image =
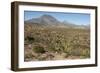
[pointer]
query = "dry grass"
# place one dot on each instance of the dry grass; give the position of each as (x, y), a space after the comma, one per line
(45, 43)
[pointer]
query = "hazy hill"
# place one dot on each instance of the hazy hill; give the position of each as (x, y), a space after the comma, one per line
(48, 20)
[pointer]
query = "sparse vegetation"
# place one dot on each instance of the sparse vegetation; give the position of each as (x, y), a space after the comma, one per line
(53, 43)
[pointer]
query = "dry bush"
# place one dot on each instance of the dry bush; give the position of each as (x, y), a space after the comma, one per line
(71, 42)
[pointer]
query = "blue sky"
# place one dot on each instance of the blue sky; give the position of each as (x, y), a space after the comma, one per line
(76, 18)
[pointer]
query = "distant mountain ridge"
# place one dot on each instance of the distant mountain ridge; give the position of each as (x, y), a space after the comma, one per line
(48, 20)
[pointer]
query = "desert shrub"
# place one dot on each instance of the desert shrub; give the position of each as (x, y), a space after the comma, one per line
(41, 58)
(71, 42)
(38, 49)
(29, 39)
(29, 56)
(86, 53)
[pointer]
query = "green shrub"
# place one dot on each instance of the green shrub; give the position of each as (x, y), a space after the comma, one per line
(86, 53)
